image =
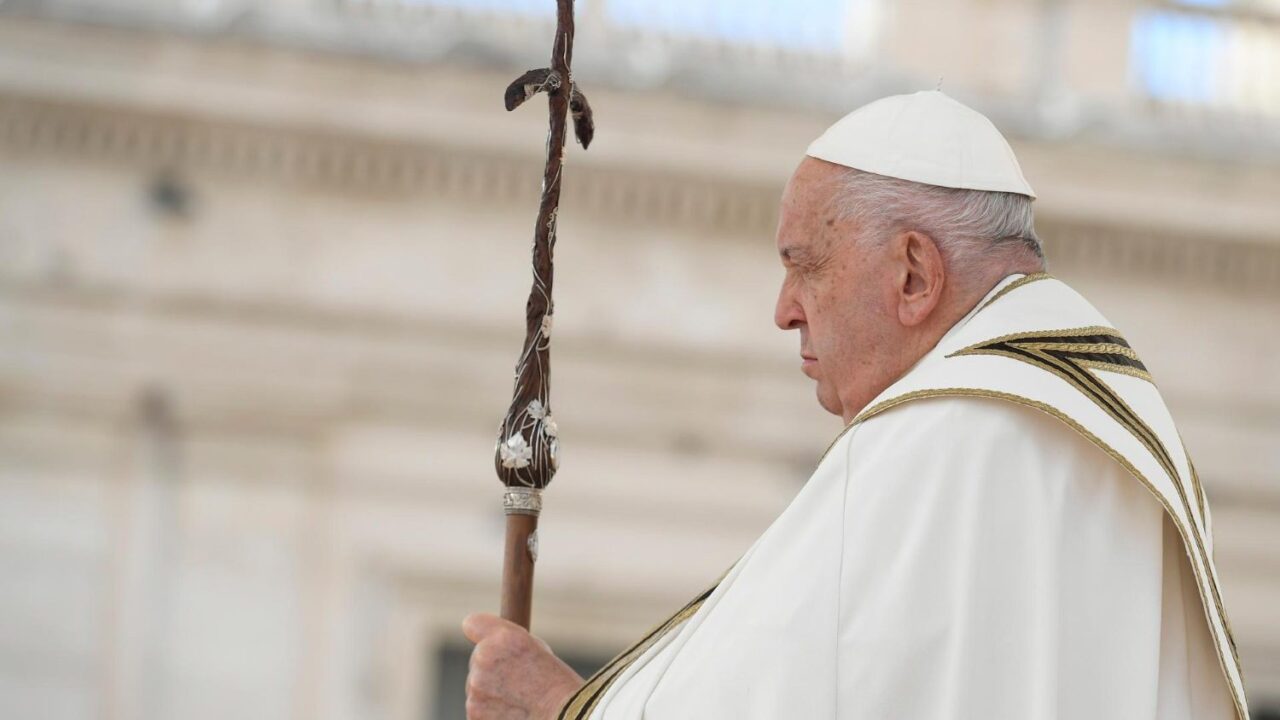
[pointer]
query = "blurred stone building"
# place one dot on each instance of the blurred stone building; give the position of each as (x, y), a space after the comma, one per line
(262, 270)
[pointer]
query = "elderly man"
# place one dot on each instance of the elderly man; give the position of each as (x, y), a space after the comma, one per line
(1009, 525)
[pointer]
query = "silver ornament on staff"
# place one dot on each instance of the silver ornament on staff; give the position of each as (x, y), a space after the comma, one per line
(527, 453)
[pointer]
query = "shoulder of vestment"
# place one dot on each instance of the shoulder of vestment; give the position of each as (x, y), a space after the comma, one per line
(1040, 345)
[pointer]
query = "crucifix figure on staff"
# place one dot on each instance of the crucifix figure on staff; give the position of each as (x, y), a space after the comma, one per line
(1007, 527)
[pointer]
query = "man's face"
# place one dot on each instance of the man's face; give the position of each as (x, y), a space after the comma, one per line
(836, 292)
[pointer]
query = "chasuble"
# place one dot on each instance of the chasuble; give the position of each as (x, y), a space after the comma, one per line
(1011, 530)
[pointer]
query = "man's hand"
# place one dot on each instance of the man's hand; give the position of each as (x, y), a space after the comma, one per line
(513, 675)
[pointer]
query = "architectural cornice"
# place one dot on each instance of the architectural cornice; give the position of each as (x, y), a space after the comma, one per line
(403, 373)
(341, 161)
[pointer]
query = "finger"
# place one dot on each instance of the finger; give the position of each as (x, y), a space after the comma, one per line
(478, 626)
(541, 643)
(475, 685)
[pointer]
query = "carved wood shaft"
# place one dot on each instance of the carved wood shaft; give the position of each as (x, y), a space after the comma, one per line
(517, 569)
(526, 456)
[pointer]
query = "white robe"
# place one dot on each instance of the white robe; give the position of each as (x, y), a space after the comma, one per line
(957, 557)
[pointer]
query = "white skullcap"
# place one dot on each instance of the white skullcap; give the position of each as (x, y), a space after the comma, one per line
(925, 137)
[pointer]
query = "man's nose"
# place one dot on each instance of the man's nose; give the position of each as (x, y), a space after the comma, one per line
(787, 315)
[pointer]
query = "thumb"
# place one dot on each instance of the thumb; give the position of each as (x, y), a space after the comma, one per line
(478, 626)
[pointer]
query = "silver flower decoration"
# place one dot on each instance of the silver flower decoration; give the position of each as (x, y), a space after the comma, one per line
(536, 409)
(515, 452)
(546, 325)
(549, 426)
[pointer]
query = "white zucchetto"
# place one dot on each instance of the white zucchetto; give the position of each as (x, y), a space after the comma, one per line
(925, 137)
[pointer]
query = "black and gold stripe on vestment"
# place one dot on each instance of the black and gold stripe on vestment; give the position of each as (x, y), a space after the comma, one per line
(1071, 355)
(1189, 536)
(584, 702)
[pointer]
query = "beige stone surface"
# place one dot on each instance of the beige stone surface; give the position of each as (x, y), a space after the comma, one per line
(246, 450)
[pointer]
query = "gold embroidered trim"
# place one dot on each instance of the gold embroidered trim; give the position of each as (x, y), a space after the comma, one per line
(1189, 537)
(1047, 350)
(843, 430)
(1204, 513)
(1065, 353)
(1199, 488)
(1108, 367)
(584, 702)
(1024, 280)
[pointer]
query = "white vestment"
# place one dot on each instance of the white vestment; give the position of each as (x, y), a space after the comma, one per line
(991, 538)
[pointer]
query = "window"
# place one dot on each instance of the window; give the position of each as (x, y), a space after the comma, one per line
(1213, 54)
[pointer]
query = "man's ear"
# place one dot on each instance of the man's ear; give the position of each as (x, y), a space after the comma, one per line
(921, 277)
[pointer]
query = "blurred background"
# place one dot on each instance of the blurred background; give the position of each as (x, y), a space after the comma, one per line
(262, 274)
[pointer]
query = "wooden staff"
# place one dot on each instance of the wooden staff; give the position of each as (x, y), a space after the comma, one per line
(527, 453)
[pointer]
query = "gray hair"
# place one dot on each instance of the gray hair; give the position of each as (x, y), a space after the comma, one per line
(971, 227)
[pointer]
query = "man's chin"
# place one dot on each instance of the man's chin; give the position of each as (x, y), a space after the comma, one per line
(828, 400)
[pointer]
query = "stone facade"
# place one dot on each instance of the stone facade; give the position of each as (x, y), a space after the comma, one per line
(261, 303)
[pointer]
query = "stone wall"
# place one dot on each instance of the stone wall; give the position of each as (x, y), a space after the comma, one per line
(260, 309)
